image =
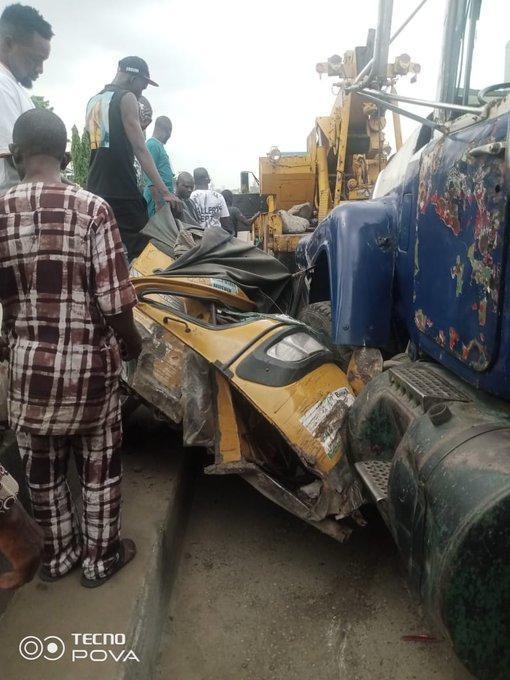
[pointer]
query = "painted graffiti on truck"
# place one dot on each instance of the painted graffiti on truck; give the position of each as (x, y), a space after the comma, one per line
(460, 229)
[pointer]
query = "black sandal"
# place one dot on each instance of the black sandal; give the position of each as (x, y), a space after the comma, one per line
(123, 558)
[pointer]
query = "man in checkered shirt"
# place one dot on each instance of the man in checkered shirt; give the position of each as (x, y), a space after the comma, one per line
(67, 303)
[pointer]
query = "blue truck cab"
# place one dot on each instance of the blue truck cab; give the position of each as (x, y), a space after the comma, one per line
(424, 259)
(420, 273)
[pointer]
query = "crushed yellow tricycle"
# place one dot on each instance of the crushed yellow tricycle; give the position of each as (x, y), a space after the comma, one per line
(259, 390)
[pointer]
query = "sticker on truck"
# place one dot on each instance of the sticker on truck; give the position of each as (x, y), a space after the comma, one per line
(225, 286)
(325, 418)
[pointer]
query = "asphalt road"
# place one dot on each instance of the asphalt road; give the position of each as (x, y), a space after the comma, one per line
(260, 595)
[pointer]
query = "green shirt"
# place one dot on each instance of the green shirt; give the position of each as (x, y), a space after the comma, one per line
(162, 163)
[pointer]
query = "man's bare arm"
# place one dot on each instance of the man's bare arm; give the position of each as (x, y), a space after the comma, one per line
(125, 329)
(131, 119)
(244, 220)
(226, 223)
(158, 202)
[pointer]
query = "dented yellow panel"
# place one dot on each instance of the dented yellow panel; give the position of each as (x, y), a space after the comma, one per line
(205, 288)
(301, 411)
(150, 261)
(229, 448)
(287, 408)
(219, 343)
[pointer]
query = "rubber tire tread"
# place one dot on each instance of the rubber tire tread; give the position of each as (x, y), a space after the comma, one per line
(318, 316)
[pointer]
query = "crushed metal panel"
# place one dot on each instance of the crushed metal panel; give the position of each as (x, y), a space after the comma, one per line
(285, 406)
(198, 418)
(158, 375)
(281, 406)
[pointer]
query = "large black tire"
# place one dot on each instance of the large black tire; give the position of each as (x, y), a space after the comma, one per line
(318, 316)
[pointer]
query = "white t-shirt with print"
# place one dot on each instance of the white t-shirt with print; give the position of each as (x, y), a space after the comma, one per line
(210, 206)
(14, 100)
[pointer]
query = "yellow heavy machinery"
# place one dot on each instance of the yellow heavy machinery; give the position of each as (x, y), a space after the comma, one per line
(345, 153)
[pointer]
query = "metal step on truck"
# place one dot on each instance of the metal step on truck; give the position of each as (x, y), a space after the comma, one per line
(412, 288)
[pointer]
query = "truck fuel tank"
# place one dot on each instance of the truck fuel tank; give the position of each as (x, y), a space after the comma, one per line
(434, 455)
(449, 508)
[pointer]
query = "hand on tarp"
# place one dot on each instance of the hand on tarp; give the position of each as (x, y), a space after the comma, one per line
(174, 202)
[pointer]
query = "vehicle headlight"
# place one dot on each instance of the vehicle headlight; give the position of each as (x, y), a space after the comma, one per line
(295, 347)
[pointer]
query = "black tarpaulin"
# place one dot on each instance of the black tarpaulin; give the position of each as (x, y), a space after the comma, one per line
(263, 278)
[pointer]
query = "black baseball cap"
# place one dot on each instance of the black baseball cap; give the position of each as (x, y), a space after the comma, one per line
(137, 67)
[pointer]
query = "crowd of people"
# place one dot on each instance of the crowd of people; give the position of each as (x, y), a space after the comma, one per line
(116, 120)
(68, 301)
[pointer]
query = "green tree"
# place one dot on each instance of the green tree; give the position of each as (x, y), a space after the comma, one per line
(41, 103)
(80, 155)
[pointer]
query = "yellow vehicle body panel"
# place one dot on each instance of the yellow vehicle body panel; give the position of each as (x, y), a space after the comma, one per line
(150, 261)
(285, 407)
(291, 179)
(158, 374)
(215, 343)
(228, 438)
(203, 287)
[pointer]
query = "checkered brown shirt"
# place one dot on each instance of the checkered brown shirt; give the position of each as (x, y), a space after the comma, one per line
(62, 270)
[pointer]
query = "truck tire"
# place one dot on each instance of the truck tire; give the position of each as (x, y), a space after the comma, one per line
(318, 316)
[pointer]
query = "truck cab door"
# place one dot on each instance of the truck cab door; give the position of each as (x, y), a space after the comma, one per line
(460, 243)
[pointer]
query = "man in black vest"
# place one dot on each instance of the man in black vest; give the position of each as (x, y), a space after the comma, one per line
(116, 137)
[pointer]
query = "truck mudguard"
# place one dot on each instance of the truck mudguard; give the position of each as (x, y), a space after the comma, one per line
(354, 247)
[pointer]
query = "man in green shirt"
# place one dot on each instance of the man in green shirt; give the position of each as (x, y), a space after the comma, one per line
(156, 147)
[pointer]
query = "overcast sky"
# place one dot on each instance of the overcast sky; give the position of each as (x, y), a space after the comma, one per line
(235, 77)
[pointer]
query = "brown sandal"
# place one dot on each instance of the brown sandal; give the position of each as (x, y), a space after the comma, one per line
(127, 552)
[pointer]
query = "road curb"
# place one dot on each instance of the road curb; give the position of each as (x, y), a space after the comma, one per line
(155, 594)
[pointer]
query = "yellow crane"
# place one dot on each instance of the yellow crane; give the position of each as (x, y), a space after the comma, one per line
(345, 153)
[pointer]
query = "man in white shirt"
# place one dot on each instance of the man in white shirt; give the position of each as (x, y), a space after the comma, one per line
(210, 204)
(24, 46)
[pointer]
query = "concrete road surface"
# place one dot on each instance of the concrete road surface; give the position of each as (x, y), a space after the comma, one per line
(259, 595)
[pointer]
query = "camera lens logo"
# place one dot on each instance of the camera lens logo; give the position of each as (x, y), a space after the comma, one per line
(51, 648)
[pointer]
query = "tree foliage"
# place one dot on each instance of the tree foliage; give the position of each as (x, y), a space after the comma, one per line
(80, 155)
(41, 103)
